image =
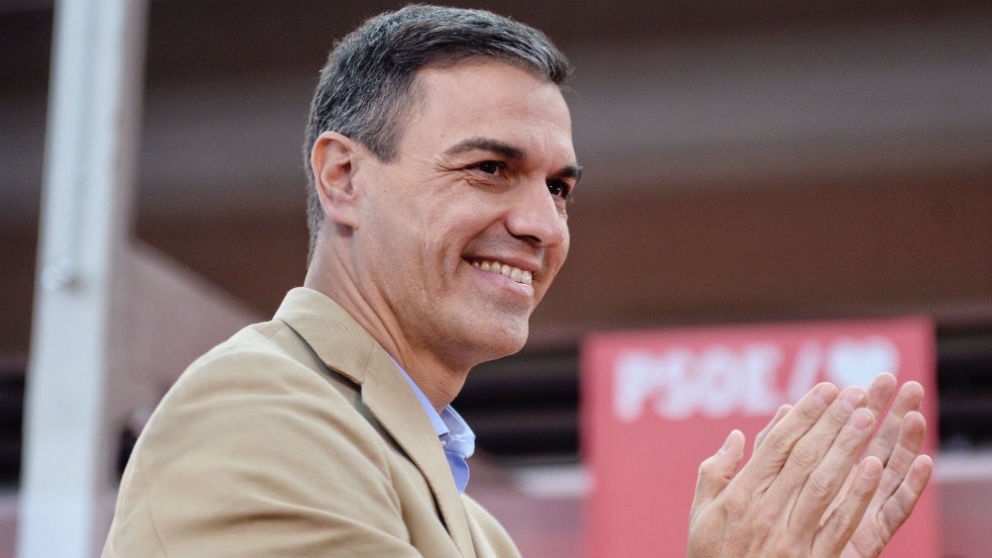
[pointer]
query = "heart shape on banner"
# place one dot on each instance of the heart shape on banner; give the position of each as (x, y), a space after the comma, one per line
(851, 362)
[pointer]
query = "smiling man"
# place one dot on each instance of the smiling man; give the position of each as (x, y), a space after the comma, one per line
(441, 164)
(442, 251)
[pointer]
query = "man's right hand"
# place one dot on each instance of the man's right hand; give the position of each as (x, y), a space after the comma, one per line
(805, 492)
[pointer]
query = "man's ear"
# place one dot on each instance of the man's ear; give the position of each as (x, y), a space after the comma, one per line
(332, 160)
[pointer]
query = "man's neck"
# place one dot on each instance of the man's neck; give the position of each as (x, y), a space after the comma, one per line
(439, 380)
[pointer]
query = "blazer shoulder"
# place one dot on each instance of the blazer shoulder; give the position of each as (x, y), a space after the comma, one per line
(266, 354)
(253, 429)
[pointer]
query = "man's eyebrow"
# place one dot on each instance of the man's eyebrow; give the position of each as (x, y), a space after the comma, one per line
(570, 171)
(487, 144)
(508, 151)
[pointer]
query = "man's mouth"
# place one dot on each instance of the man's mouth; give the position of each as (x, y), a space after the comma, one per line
(514, 273)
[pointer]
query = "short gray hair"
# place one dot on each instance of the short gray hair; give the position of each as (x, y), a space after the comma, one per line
(365, 87)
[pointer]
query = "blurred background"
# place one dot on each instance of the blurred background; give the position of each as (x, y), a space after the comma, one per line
(745, 162)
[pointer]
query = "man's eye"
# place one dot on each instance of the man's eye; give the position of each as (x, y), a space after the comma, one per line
(559, 188)
(490, 167)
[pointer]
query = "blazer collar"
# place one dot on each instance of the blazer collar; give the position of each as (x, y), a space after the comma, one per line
(347, 349)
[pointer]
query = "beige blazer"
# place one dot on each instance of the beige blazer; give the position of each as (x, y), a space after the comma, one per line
(297, 437)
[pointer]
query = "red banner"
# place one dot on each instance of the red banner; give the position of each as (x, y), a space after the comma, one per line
(655, 404)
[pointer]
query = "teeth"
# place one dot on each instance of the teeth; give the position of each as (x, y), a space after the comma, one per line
(514, 273)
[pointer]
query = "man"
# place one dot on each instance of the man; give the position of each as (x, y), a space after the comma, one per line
(441, 162)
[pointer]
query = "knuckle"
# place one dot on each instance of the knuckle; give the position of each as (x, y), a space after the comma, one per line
(851, 441)
(707, 466)
(805, 456)
(820, 485)
(900, 459)
(762, 527)
(810, 413)
(736, 504)
(778, 443)
(898, 509)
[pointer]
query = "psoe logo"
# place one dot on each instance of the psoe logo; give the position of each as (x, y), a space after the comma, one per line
(752, 379)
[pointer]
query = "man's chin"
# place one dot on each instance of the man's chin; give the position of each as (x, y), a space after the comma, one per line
(507, 342)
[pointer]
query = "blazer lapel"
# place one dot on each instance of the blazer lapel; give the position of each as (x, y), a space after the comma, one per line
(389, 397)
(346, 348)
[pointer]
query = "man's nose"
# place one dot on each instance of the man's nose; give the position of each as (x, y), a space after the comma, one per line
(536, 216)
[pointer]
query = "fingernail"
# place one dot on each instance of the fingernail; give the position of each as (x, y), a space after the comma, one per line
(825, 392)
(861, 419)
(871, 468)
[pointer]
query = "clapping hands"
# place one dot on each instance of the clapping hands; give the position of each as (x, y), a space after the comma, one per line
(818, 483)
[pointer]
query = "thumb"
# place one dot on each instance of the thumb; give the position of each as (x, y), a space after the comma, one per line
(716, 472)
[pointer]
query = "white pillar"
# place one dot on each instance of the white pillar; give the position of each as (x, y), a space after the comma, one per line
(94, 110)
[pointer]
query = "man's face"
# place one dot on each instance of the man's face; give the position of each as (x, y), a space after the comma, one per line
(463, 231)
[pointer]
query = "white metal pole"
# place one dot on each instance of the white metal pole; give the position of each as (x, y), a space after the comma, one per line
(94, 110)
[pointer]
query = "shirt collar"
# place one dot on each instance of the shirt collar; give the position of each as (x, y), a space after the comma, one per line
(455, 435)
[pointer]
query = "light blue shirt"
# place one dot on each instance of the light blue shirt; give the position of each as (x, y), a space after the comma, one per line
(457, 439)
